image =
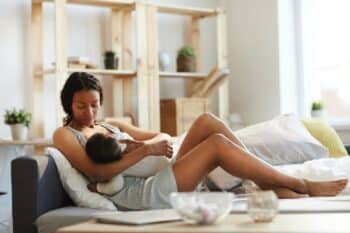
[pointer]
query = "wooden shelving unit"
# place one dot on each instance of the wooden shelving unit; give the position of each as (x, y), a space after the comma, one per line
(108, 73)
(146, 73)
(182, 75)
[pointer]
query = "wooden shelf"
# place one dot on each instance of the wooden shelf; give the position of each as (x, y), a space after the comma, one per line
(100, 3)
(192, 75)
(33, 142)
(118, 73)
(189, 11)
(169, 9)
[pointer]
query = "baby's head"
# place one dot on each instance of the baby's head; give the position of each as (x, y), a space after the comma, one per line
(102, 148)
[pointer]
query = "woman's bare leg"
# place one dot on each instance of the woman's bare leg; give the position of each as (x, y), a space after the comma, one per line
(204, 126)
(218, 150)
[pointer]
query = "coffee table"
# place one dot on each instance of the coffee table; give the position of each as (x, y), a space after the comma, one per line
(283, 223)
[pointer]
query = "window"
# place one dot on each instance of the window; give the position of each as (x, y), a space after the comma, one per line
(328, 45)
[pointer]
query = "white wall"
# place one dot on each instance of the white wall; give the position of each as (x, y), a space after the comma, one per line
(253, 57)
(87, 37)
(262, 55)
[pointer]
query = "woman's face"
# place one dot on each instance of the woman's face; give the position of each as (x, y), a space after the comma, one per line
(85, 106)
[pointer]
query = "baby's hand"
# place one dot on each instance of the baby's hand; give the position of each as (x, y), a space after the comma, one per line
(131, 144)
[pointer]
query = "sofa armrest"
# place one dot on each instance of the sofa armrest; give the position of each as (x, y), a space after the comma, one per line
(36, 189)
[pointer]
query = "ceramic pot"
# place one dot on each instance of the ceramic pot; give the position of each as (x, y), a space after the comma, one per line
(317, 113)
(164, 61)
(186, 64)
(19, 132)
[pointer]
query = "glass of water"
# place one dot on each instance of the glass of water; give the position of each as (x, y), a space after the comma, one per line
(262, 206)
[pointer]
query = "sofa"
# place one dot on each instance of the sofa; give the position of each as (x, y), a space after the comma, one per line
(39, 202)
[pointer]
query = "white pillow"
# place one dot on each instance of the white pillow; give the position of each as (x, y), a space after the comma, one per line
(75, 184)
(282, 140)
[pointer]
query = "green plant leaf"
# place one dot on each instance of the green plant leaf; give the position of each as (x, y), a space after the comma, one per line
(19, 116)
(186, 51)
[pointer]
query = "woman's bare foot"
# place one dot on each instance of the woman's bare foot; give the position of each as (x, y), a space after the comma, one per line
(325, 188)
(287, 193)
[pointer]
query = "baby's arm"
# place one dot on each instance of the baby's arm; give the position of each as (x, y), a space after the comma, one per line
(109, 187)
(130, 145)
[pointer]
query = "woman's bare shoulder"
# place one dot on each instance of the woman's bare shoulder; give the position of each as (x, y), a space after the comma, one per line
(61, 132)
(63, 136)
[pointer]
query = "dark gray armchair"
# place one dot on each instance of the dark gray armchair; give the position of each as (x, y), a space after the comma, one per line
(36, 189)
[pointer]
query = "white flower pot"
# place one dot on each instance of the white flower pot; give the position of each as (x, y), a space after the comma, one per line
(317, 113)
(19, 132)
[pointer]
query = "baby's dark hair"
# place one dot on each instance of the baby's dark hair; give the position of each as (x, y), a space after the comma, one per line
(102, 148)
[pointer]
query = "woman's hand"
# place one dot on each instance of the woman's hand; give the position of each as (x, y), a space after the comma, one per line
(162, 147)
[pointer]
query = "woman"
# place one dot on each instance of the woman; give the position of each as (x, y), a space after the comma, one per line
(208, 144)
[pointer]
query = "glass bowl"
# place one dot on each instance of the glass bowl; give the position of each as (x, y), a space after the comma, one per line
(202, 207)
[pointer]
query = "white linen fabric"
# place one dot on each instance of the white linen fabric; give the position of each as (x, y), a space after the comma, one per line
(75, 184)
(321, 170)
(147, 166)
(324, 169)
(282, 140)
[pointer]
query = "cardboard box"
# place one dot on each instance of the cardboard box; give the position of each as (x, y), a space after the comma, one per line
(177, 115)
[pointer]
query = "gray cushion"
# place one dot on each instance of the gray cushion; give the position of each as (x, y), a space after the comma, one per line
(52, 220)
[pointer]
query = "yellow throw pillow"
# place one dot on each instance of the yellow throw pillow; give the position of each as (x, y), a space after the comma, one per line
(326, 135)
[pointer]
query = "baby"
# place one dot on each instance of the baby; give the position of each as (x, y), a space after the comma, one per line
(103, 148)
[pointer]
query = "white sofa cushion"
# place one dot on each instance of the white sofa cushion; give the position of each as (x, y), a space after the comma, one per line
(75, 184)
(282, 140)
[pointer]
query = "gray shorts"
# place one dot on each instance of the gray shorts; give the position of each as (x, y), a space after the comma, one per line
(146, 193)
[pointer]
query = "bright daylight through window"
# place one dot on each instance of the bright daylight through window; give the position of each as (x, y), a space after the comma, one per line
(329, 47)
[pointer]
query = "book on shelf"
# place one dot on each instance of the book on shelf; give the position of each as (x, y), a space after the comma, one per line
(76, 66)
(78, 59)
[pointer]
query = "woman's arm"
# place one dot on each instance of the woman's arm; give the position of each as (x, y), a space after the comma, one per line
(67, 143)
(140, 134)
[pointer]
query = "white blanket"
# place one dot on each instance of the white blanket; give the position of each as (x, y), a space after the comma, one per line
(316, 170)
(321, 170)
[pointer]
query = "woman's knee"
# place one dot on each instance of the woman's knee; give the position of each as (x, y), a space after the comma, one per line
(218, 139)
(206, 119)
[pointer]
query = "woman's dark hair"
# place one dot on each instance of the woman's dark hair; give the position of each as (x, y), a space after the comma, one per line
(77, 81)
(102, 148)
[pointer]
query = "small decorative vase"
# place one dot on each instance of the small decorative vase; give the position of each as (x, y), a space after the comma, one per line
(262, 206)
(164, 61)
(109, 61)
(186, 64)
(19, 132)
(317, 113)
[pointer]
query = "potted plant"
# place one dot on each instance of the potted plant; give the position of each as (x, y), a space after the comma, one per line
(19, 121)
(186, 59)
(110, 61)
(317, 109)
